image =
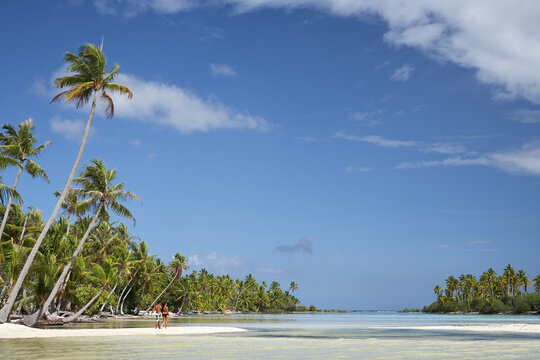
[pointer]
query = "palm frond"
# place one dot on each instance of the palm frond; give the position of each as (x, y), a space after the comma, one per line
(35, 170)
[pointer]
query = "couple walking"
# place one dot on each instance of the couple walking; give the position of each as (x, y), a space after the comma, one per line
(160, 311)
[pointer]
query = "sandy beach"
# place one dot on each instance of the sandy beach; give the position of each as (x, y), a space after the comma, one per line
(509, 328)
(13, 331)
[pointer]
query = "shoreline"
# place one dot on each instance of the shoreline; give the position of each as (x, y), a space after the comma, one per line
(14, 331)
(505, 328)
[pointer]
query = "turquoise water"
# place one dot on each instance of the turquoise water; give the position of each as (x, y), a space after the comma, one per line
(298, 336)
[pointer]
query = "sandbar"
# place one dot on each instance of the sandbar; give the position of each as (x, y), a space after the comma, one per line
(13, 331)
(506, 328)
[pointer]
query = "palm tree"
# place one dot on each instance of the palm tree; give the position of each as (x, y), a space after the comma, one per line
(89, 78)
(20, 146)
(293, 286)
(106, 273)
(177, 265)
(97, 186)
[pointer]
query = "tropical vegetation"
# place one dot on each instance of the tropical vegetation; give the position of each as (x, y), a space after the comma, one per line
(85, 260)
(509, 292)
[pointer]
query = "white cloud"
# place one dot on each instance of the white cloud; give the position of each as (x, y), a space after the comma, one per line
(403, 73)
(151, 156)
(70, 129)
(222, 70)
(526, 116)
(498, 39)
(215, 263)
(171, 106)
(438, 147)
(522, 161)
(377, 140)
(134, 7)
(273, 271)
(358, 169)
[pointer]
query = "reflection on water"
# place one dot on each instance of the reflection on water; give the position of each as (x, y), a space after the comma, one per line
(298, 336)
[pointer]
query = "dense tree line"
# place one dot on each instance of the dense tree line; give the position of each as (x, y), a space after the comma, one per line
(82, 261)
(490, 293)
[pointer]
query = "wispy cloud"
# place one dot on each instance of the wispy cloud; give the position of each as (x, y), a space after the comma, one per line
(70, 129)
(136, 143)
(308, 139)
(521, 161)
(370, 118)
(403, 73)
(302, 245)
(358, 169)
(171, 106)
(222, 70)
(425, 147)
(479, 242)
(215, 262)
(526, 116)
(377, 140)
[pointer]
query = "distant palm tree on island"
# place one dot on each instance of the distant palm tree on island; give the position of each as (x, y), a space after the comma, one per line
(490, 293)
(89, 78)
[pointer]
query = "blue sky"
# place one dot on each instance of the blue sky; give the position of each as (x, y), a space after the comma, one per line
(365, 150)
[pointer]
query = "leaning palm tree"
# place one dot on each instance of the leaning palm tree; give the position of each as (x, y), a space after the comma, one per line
(177, 265)
(88, 79)
(20, 146)
(97, 187)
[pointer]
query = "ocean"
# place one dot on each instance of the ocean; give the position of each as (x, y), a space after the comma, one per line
(355, 335)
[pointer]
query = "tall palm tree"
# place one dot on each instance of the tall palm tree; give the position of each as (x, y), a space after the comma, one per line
(97, 186)
(20, 145)
(89, 77)
(293, 286)
(177, 265)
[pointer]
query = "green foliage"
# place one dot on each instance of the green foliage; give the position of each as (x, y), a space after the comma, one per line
(489, 294)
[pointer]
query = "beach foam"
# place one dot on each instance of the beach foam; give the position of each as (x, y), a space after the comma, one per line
(12, 331)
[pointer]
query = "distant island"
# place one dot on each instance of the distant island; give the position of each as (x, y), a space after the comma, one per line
(489, 294)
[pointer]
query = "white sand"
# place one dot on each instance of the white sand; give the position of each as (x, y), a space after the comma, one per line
(12, 331)
(513, 328)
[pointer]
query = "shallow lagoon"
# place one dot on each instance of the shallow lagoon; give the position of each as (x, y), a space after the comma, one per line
(363, 335)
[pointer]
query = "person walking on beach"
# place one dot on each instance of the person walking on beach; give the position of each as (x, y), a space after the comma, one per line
(165, 313)
(157, 311)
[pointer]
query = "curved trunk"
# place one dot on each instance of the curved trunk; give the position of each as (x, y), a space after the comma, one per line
(31, 320)
(10, 200)
(124, 300)
(6, 310)
(151, 305)
(83, 309)
(108, 297)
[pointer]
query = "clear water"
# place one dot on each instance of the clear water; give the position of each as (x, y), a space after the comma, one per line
(298, 336)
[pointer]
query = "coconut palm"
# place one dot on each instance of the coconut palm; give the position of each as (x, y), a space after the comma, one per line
(20, 146)
(293, 286)
(177, 265)
(88, 79)
(97, 187)
(106, 274)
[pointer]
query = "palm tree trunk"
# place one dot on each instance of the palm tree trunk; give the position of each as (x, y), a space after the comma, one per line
(108, 297)
(23, 230)
(122, 294)
(151, 305)
(10, 200)
(6, 310)
(83, 309)
(124, 300)
(31, 320)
